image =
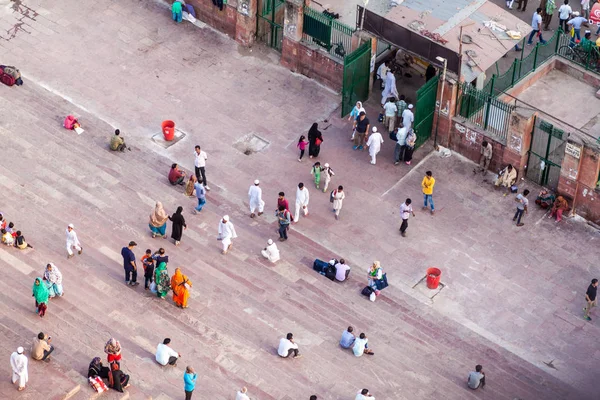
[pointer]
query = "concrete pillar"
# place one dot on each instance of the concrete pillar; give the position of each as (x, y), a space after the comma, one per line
(245, 26)
(292, 34)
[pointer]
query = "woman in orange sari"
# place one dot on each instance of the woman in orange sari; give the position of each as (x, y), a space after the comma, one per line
(179, 284)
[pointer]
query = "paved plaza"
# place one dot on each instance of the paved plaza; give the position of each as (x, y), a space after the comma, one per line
(511, 297)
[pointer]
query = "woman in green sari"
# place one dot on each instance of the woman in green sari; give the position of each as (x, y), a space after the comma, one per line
(41, 294)
(162, 280)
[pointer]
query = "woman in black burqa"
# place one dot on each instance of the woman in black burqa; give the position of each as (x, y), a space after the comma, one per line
(314, 139)
(178, 225)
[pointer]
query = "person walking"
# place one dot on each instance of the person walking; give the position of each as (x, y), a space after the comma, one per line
(72, 241)
(536, 25)
(522, 5)
(374, 144)
(390, 89)
(284, 219)
(590, 299)
(302, 198)
(564, 14)
(390, 114)
(315, 138)
(53, 278)
(189, 382)
(158, 221)
(523, 202)
(405, 212)
(408, 117)
(200, 166)
(180, 284)
(358, 108)
(327, 174)
(129, 264)
(427, 186)
(302, 142)
(18, 362)
(338, 196)
(548, 7)
(485, 158)
(201, 196)
(41, 295)
(226, 233)
(361, 127)
(282, 201)
(178, 225)
(576, 23)
(411, 140)
(316, 172)
(255, 199)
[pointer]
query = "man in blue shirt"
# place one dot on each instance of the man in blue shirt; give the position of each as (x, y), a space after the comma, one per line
(576, 23)
(129, 264)
(348, 338)
(201, 195)
(536, 24)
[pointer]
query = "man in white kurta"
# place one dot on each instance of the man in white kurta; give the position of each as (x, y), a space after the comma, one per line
(72, 241)
(18, 362)
(255, 199)
(374, 143)
(271, 252)
(302, 198)
(390, 89)
(226, 233)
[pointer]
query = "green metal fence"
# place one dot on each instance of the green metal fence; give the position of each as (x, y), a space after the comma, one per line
(357, 76)
(485, 110)
(326, 32)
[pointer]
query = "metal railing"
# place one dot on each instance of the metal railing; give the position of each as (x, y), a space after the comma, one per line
(326, 32)
(484, 110)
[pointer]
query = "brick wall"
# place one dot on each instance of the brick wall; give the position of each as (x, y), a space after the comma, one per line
(313, 63)
(229, 21)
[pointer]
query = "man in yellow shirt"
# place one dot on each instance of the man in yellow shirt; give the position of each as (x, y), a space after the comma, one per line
(427, 185)
(117, 143)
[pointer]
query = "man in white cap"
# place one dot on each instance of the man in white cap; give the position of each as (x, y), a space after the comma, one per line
(374, 144)
(271, 252)
(408, 117)
(226, 233)
(302, 198)
(18, 362)
(255, 199)
(72, 241)
(327, 173)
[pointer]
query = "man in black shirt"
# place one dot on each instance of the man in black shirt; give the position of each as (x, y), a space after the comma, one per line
(362, 127)
(590, 299)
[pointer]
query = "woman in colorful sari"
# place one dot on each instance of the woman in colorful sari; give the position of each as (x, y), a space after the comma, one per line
(179, 284)
(113, 351)
(189, 187)
(53, 278)
(158, 221)
(40, 293)
(560, 205)
(162, 280)
(545, 199)
(375, 274)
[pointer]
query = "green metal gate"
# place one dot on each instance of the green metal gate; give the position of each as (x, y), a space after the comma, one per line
(546, 154)
(425, 109)
(269, 24)
(357, 73)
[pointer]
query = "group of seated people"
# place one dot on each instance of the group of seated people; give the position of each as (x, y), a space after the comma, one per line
(116, 378)
(557, 205)
(334, 269)
(11, 236)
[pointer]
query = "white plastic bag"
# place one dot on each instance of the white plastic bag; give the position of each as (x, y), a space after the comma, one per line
(372, 296)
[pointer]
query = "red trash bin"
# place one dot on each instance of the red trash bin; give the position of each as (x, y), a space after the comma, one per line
(168, 129)
(433, 277)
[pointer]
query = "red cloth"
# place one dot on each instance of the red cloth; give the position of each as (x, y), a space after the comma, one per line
(112, 357)
(174, 175)
(284, 203)
(70, 122)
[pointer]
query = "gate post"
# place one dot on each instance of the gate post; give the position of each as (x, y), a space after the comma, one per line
(293, 24)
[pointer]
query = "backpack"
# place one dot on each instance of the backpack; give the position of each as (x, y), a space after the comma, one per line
(382, 283)
(330, 272)
(367, 291)
(8, 80)
(320, 266)
(393, 136)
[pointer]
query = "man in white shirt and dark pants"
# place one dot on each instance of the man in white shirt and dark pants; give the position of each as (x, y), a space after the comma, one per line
(536, 24)
(405, 211)
(199, 164)
(287, 347)
(564, 13)
(165, 354)
(302, 199)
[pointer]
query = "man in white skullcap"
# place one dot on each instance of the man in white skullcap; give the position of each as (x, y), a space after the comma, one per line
(255, 199)
(18, 362)
(271, 252)
(374, 144)
(226, 233)
(72, 241)
(327, 173)
(408, 117)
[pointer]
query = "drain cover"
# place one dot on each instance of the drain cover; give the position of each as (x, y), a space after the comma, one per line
(251, 143)
(159, 138)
